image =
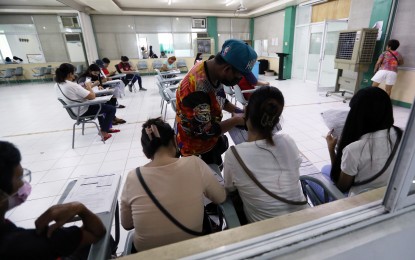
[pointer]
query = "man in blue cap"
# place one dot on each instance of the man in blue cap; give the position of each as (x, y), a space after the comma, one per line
(200, 99)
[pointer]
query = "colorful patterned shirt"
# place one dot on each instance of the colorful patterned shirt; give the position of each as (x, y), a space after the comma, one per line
(389, 62)
(199, 111)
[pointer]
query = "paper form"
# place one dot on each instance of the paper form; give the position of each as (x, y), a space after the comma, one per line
(95, 192)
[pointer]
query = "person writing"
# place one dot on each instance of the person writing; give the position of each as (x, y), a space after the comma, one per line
(49, 240)
(72, 92)
(179, 185)
(200, 99)
(169, 64)
(386, 67)
(132, 75)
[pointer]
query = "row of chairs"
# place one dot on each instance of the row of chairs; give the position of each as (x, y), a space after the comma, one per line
(142, 65)
(10, 73)
(236, 93)
(167, 93)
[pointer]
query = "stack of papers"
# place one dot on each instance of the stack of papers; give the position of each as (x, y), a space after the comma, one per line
(96, 192)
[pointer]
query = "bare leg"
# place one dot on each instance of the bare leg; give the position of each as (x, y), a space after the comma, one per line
(375, 84)
(388, 89)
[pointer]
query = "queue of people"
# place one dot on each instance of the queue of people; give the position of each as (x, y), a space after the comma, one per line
(264, 169)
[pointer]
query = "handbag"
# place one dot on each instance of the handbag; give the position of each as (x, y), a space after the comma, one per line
(207, 228)
(249, 173)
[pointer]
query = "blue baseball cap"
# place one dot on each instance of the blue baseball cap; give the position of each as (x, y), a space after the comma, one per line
(240, 55)
(100, 63)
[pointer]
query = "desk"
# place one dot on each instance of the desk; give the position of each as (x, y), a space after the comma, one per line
(118, 76)
(101, 249)
(170, 72)
(103, 92)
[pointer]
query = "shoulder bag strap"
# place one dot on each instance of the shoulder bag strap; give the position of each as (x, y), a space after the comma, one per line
(394, 56)
(385, 167)
(249, 173)
(66, 96)
(162, 209)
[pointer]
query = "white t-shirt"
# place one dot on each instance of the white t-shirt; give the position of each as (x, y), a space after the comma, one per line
(276, 168)
(73, 91)
(366, 157)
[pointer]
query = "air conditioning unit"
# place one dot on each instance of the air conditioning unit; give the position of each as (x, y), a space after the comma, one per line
(70, 22)
(73, 37)
(355, 49)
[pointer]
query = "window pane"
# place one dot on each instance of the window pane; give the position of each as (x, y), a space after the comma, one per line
(183, 44)
(181, 24)
(166, 42)
(107, 45)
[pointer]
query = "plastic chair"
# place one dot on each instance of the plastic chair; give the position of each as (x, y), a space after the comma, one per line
(48, 71)
(82, 119)
(157, 64)
(18, 72)
(239, 95)
(7, 75)
(40, 72)
(229, 91)
(129, 243)
(181, 64)
(79, 69)
(142, 66)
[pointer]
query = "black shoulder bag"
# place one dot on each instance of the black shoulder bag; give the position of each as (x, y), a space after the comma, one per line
(388, 162)
(251, 175)
(206, 223)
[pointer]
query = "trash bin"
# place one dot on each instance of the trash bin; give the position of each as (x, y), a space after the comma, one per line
(263, 66)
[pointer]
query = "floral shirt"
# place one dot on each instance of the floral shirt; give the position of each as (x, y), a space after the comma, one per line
(389, 62)
(199, 111)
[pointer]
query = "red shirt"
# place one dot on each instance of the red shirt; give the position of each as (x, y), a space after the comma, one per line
(245, 85)
(124, 66)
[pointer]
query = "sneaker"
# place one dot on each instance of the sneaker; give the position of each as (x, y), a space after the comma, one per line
(143, 89)
(120, 106)
(130, 88)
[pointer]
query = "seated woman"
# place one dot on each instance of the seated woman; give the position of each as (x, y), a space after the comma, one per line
(274, 160)
(49, 240)
(366, 143)
(93, 74)
(179, 184)
(72, 92)
(132, 75)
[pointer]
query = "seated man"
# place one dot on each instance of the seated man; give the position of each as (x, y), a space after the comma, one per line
(133, 75)
(49, 240)
(247, 83)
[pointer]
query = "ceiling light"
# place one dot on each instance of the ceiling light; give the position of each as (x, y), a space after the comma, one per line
(313, 2)
(169, 3)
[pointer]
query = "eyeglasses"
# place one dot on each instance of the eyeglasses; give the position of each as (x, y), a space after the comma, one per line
(27, 175)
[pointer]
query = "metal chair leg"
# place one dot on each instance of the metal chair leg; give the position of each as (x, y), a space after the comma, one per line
(83, 128)
(73, 136)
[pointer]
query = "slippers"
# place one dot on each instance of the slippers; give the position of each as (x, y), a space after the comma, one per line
(112, 130)
(115, 122)
(120, 121)
(108, 136)
(121, 106)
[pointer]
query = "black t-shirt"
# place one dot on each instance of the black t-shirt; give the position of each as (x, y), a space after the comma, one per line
(20, 243)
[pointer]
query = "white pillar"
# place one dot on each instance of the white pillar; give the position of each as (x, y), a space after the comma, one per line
(89, 37)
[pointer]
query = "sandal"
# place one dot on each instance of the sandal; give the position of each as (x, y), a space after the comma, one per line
(108, 136)
(114, 130)
(114, 122)
(120, 121)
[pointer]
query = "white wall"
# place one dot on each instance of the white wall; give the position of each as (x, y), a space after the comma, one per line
(21, 49)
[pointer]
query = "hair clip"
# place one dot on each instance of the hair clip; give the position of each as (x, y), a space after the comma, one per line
(152, 130)
(266, 120)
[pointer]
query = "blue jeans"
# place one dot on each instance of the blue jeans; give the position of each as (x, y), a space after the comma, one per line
(134, 78)
(105, 121)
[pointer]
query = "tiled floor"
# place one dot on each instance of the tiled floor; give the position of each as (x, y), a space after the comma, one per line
(35, 121)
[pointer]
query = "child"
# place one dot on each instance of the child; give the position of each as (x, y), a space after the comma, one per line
(386, 67)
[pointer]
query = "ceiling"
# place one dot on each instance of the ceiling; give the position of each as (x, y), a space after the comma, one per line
(221, 8)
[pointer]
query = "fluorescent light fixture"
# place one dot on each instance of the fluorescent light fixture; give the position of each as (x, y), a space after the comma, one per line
(229, 3)
(313, 2)
(169, 3)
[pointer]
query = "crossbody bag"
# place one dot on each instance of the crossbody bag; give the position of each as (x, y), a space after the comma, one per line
(385, 167)
(251, 175)
(167, 214)
(394, 56)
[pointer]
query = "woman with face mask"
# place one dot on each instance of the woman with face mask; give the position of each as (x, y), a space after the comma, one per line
(49, 240)
(179, 184)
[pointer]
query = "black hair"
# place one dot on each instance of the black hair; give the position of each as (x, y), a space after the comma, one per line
(211, 57)
(106, 60)
(370, 111)
(264, 110)
(198, 57)
(393, 44)
(63, 71)
(87, 73)
(17, 58)
(125, 58)
(7, 59)
(150, 147)
(9, 159)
